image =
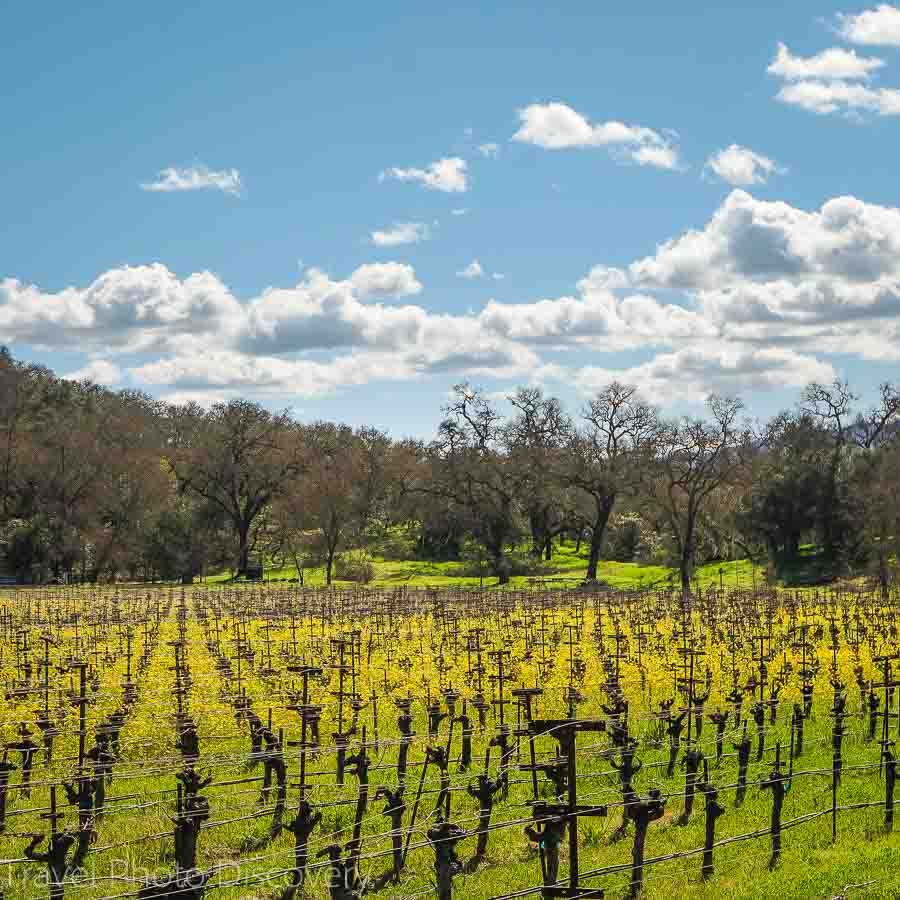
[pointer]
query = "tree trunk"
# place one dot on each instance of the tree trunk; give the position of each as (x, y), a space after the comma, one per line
(594, 555)
(686, 563)
(883, 577)
(685, 569)
(499, 565)
(537, 521)
(243, 548)
(598, 531)
(828, 507)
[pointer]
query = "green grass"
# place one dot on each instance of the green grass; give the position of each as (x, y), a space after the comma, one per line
(566, 569)
(811, 866)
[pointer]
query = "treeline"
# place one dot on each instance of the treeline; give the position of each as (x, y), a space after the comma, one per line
(96, 484)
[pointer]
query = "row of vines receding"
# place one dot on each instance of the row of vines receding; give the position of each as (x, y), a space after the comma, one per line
(276, 742)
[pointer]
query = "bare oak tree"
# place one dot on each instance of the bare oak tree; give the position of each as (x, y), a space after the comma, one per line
(695, 457)
(344, 484)
(535, 443)
(610, 454)
(832, 407)
(470, 469)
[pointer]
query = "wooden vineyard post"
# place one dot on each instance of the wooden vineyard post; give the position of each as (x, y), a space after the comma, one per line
(838, 713)
(27, 748)
(376, 743)
(743, 751)
(565, 732)
(44, 722)
(129, 687)
(23, 657)
(573, 696)
(693, 755)
(526, 697)
(305, 821)
(889, 761)
(81, 793)
(341, 739)
(475, 670)
(415, 809)
(82, 710)
(308, 713)
(501, 738)
(889, 683)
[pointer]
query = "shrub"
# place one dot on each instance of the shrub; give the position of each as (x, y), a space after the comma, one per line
(474, 566)
(354, 567)
(397, 548)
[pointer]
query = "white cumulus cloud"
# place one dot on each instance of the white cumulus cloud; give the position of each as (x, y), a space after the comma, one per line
(390, 279)
(694, 373)
(556, 126)
(836, 80)
(401, 233)
(878, 27)
(755, 241)
(128, 309)
(449, 175)
(756, 298)
(833, 63)
(195, 178)
(741, 166)
(825, 97)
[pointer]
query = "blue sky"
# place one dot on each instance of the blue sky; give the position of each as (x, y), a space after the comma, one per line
(691, 199)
